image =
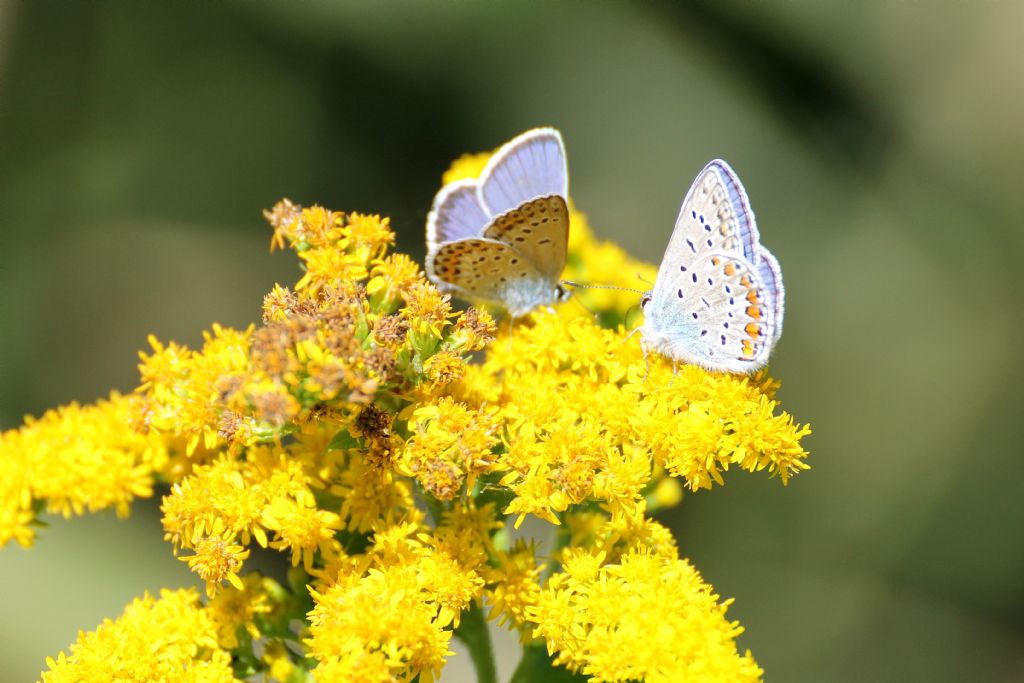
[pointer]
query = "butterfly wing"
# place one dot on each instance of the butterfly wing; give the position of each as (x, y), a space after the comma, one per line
(482, 269)
(456, 214)
(504, 237)
(529, 166)
(715, 216)
(716, 314)
(539, 229)
(771, 276)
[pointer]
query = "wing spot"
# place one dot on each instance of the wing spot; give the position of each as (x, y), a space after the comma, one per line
(710, 281)
(693, 213)
(703, 332)
(695, 278)
(723, 340)
(544, 241)
(682, 269)
(694, 314)
(680, 293)
(692, 248)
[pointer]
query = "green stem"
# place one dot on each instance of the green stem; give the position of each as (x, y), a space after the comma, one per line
(473, 632)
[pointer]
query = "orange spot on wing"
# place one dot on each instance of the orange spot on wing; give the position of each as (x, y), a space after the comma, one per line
(753, 329)
(754, 312)
(752, 296)
(730, 269)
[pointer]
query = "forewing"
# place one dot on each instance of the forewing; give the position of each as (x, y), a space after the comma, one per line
(716, 314)
(479, 268)
(529, 166)
(456, 214)
(715, 217)
(539, 230)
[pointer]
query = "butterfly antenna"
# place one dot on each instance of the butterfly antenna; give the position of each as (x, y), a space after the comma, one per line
(641, 278)
(582, 285)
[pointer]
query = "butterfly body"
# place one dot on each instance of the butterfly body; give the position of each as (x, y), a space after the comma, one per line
(503, 238)
(718, 300)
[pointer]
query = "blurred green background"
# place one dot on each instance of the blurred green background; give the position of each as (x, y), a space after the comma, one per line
(881, 143)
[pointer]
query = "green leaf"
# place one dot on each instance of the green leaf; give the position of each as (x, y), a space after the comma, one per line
(344, 440)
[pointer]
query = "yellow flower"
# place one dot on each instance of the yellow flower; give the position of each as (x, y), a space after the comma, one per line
(216, 497)
(391, 277)
(444, 367)
(170, 639)
(237, 608)
(278, 661)
(369, 494)
(473, 331)
(450, 444)
(427, 309)
(656, 609)
(376, 627)
(303, 529)
(217, 559)
(369, 231)
(76, 459)
(184, 388)
(325, 265)
(513, 587)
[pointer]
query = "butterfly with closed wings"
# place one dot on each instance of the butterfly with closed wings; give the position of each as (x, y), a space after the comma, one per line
(502, 238)
(718, 299)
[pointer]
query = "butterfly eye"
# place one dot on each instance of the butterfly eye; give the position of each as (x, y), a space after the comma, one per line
(643, 302)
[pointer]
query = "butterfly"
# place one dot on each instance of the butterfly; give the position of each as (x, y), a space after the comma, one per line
(718, 299)
(502, 238)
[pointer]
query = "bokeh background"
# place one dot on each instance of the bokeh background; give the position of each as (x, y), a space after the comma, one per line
(881, 143)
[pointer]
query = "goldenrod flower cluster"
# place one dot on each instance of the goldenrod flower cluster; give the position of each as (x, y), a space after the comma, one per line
(360, 431)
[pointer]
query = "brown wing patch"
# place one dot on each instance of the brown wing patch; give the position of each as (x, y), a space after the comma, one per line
(481, 268)
(539, 229)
